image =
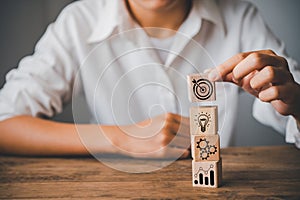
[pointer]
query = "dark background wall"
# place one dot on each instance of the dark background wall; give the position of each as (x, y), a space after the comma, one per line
(22, 22)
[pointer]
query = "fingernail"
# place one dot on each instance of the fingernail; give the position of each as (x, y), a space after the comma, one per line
(235, 76)
(234, 80)
(213, 75)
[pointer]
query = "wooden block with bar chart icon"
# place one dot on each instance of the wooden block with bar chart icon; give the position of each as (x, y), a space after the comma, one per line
(203, 120)
(207, 174)
(205, 148)
(200, 88)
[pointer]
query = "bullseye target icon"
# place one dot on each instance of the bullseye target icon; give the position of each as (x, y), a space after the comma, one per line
(202, 88)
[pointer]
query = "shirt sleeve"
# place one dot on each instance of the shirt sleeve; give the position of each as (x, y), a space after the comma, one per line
(256, 35)
(42, 83)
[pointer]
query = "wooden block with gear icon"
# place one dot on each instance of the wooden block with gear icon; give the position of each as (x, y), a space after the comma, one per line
(205, 148)
(207, 174)
(200, 88)
(203, 120)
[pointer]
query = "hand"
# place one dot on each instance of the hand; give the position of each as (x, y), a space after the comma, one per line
(164, 136)
(264, 75)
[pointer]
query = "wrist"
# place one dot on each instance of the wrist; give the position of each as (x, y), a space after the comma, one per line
(113, 138)
(98, 139)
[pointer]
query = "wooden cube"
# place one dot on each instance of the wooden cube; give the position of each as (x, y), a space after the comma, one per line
(200, 88)
(204, 120)
(207, 174)
(205, 148)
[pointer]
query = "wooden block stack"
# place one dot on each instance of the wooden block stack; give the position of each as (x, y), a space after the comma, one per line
(205, 141)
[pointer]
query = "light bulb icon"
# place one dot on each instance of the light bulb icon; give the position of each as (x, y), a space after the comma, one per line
(202, 120)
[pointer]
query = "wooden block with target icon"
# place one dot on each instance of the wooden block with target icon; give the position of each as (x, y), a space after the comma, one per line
(205, 148)
(200, 88)
(204, 120)
(207, 174)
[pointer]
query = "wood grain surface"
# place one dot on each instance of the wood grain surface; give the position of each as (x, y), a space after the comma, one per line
(248, 173)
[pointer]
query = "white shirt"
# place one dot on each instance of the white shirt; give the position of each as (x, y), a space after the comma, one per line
(95, 47)
(161, 45)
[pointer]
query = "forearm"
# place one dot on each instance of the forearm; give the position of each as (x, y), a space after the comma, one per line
(25, 135)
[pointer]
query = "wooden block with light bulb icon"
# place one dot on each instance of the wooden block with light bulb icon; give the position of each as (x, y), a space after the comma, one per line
(204, 120)
(205, 148)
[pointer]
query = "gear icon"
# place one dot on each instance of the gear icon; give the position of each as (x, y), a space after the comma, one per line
(212, 149)
(204, 155)
(202, 144)
(205, 148)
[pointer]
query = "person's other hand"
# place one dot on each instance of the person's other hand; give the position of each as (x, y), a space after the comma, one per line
(164, 136)
(264, 75)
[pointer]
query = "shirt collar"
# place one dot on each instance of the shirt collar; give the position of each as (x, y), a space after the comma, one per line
(115, 16)
(209, 10)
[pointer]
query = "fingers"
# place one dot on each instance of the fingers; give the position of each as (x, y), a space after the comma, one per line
(278, 92)
(271, 93)
(185, 154)
(180, 142)
(162, 153)
(269, 75)
(171, 152)
(240, 65)
(264, 75)
(244, 83)
(224, 71)
(178, 118)
(255, 61)
(178, 124)
(166, 136)
(261, 73)
(167, 152)
(176, 137)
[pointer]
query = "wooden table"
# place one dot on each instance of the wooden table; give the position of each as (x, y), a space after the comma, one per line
(251, 173)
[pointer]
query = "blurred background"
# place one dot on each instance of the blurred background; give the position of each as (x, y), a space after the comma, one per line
(24, 21)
